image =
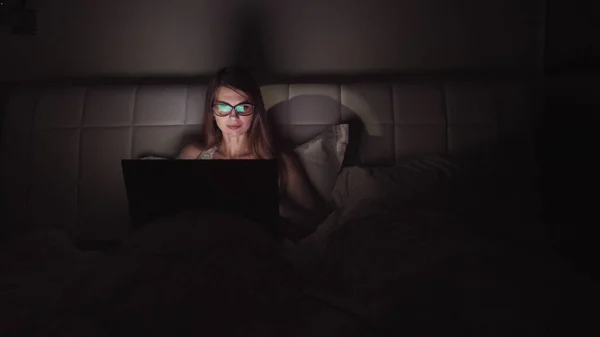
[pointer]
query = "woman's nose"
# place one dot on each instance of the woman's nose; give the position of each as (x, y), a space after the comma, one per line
(234, 115)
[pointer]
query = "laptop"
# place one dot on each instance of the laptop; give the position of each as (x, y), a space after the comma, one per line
(159, 188)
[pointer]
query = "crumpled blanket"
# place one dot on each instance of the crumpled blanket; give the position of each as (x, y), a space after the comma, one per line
(412, 269)
(191, 274)
(385, 268)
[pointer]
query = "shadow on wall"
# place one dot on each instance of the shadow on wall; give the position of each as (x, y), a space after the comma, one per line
(249, 47)
(298, 120)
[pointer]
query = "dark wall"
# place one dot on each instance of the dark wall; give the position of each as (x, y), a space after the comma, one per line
(570, 42)
(191, 37)
(3, 99)
(570, 129)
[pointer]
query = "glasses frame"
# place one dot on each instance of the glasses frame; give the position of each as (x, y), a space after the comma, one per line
(214, 110)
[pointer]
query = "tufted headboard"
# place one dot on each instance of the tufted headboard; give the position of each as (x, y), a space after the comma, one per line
(62, 144)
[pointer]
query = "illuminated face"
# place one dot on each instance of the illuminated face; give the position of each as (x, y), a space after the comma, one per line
(233, 112)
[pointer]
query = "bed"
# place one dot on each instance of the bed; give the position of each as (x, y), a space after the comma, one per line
(435, 227)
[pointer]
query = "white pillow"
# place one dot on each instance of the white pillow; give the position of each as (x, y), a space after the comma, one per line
(322, 158)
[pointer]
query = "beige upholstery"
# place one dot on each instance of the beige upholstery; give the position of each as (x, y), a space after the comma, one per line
(62, 145)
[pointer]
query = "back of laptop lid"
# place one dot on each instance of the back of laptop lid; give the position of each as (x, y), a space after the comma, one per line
(157, 188)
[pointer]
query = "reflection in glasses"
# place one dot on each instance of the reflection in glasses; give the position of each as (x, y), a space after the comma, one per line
(223, 109)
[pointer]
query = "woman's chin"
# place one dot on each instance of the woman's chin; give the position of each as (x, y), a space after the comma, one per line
(234, 133)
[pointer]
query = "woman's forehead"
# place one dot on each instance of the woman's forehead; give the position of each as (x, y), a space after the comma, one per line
(228, 95)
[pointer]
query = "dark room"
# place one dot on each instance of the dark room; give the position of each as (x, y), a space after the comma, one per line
(299, 168)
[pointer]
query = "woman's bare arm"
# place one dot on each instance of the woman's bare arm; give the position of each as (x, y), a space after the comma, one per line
(300, 205)
(297, 188)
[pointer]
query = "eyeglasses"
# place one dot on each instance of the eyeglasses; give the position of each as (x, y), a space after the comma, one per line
(223, 109)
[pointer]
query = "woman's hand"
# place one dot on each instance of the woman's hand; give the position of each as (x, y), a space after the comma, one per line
(295, 222)
(290, 210)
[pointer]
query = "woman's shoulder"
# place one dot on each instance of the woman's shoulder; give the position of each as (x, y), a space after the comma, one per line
(191, 151)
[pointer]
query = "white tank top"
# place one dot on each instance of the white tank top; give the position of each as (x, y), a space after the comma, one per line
(208, 154)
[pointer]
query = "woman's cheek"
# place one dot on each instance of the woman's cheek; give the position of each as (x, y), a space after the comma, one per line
(247, 120)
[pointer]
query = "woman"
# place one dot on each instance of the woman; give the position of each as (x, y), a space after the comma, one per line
(235, 127)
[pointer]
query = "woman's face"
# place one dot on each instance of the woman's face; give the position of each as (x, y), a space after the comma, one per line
(233, 112)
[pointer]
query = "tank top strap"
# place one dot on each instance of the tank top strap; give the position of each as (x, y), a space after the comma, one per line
(208, 154)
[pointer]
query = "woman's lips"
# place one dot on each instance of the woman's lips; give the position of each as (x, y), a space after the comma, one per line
(234, 127)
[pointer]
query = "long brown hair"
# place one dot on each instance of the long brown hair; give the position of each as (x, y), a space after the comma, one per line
(259, 136)
(261, 144)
